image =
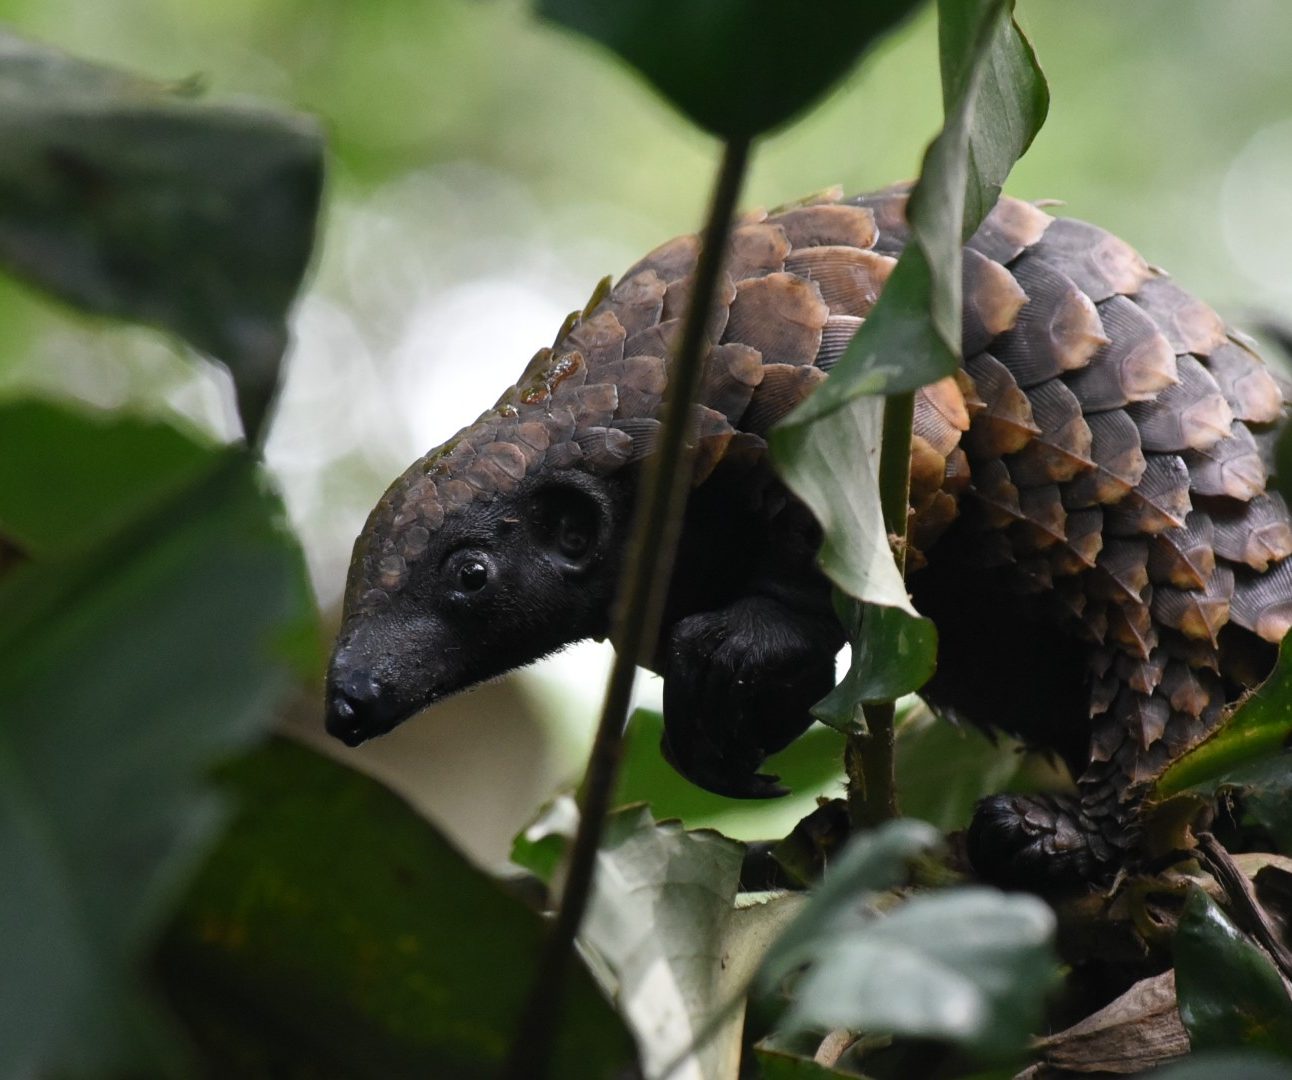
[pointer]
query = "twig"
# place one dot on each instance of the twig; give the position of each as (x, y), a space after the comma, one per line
(649, 564)
(869, 757)
(1243, 902)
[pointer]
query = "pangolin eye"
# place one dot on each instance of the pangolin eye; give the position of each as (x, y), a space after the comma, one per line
(473, 576)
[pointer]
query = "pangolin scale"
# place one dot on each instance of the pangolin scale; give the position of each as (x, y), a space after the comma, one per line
(1091, 525)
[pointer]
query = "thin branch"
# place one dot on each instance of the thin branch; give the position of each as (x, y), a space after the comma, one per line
(1243, 902)
(869, 757)
(661, 502)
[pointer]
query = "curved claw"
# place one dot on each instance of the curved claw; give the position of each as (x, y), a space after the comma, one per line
(1034, 842)
(722, 777)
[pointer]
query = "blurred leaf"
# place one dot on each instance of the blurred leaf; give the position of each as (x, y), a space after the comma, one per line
(126, 669)
(971, 965)
(1230, 994)
(1260, 726)
(1235, 1065)
(944, 768)
(735, 67)
(541, 845)
(124, 197)
(827, 450)
(335, 932)
(663, 921)
(782, 1065)
(811, 764)
(56, 499)
(1267, 794)
(872, 861)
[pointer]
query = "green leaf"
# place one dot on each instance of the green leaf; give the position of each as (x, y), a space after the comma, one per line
(1235, 1065)
(969, 965)
(737, 68)
(1230, 994)
(827, 449)
(944, 768)
(663, 922)
(812, 765)
(782, 1065)
(55, 499)
(127, 668)
(125, 197)
(870, 863)
(1259, 727)
(336, 932)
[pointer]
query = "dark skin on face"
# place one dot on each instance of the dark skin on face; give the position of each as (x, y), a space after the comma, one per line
(747, 645)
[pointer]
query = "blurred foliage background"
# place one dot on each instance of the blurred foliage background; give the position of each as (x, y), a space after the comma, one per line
(487, 170)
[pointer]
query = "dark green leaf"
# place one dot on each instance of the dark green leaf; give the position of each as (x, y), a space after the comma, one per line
(781, 1065)
(735, 67)
(827, 449)
(1230, 994)
(125, 197)
(55, 498)
(126, 669)
(1260, 727)
(335, 932)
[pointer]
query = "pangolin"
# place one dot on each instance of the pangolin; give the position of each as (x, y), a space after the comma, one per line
(1091, 523)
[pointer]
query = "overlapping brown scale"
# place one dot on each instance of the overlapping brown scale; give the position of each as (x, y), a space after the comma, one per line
(783, 386)
(1101, 264)
(731, 374)
(1262, 603)
(605, 449)
(1043, 518)
(1190, 414)
(997, 494)
(1082, 542)
(1136, 364)
(1057, 330)
(1196, 613)
(672, 260)
(640, 383)
(1141, 675)
(1131, 626)
(755, 250)
(940, 415)
(1010, 228)
(959, 473)
(1160, 500)
(1062, 448)
(1252, 392)
(781, 315)
(658, 340)
(677, 300)
(1122, 570)
(1144, 715)
(1184, 557)
(1189, 325)
(1255, 534)
(637, 301)
(1186, 688)
(928, 469)
(713, 433)
(827, 224)
(644, 433)
(1197, 654)
(599, 337)
(594, 405)
(931, 519)
(850, 279)
(835, 335)
(1006, 423)
(1267, 445)
(1232, 467)
(992, 299)
(1117, 462)
(888, 206)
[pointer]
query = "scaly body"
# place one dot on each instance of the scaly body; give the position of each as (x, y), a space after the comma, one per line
(1090, 524)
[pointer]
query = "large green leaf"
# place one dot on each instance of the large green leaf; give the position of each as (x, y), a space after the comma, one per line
(827, 449)
(127, 667)
(125, 197)
(334, 932)
(735, 67)
(1259, 727)
(969, 965)
(1230, 994)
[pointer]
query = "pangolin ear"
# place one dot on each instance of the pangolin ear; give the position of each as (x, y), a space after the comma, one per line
(569, 525)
